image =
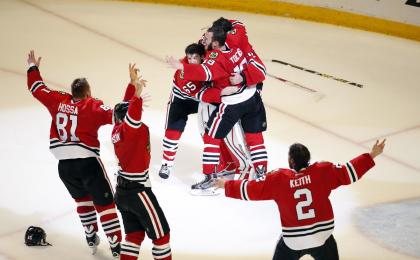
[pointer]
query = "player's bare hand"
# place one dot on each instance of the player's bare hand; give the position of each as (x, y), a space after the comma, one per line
(174, 63)
(229, 91)
(133, 71)
(235, 78)
(33, 60)
(220, 183)
(377, 148)
(140, 84)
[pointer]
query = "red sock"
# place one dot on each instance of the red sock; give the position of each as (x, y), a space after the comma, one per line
(211, 154)
(161, 248)
(110, 223)
(255, 142)
(130, 248)
(170, 145)
(87, 215)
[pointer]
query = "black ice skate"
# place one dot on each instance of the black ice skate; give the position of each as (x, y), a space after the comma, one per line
(93, 242)
(205, 187)
(165, 171)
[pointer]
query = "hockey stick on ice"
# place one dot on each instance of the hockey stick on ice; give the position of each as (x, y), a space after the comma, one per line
(319, 73)
(318, 95)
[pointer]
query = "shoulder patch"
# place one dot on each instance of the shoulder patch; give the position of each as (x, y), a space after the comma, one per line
(181, 75)
(62, 92)
(233, 31)
(213, 55)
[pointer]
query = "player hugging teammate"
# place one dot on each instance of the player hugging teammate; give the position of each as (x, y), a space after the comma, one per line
(231, 67)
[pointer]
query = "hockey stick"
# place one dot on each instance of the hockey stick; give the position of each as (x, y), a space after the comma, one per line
(319, 73)
(318, 95)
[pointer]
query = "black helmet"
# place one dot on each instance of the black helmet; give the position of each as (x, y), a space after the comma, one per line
(35, 236)
(120, 110)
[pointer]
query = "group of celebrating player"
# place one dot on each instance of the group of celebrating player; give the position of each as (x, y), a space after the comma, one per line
(220, 79)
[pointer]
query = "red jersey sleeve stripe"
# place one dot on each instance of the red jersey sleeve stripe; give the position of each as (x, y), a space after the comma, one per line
(36, 85)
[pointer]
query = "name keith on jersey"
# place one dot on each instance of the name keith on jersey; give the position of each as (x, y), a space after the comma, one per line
(68, 109)
(300, 181)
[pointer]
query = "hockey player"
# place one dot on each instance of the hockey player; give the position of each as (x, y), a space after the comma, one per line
(135, 199)
(244, 104)
(301, 194)
(183, 101)
(236, 37)
(186, 97)
(76, 119)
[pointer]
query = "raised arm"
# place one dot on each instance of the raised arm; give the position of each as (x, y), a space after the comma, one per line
(36, 84)
(355, 169)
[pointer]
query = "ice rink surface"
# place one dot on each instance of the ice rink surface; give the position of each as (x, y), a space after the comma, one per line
(97, 40)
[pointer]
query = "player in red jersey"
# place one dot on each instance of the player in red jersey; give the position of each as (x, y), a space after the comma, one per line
(189, 97)
(184, 99)
(244, 104)
(237, 37)
(302, 196)
(76, 119)
(135, 199)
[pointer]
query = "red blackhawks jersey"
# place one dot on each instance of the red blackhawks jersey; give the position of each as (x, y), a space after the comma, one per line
(237, 37)
(195, 90)
(131, 141)
(305, 210)
(218, 66)
(75, 124)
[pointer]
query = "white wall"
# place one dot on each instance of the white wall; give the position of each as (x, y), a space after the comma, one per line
(395, 10)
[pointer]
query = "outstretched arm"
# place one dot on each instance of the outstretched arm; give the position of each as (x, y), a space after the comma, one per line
(355, 169)
(36, 84)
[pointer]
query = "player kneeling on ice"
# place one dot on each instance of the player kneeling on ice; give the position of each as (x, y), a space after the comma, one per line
(134, 197)
(301, 194)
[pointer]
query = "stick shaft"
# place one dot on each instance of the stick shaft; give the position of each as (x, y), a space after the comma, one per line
(319, 73)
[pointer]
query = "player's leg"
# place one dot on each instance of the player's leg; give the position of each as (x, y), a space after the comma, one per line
(328, 251)
(71, 177)
(254, 123)
(157, 228)
(283, 252)
(99, 187)
(134, 230)
(176, 119)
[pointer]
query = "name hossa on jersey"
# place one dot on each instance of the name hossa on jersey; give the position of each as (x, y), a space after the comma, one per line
(302, 197)
(131, 139)
(75, 124)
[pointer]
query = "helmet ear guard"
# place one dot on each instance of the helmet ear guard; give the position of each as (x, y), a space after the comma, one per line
(35, 236)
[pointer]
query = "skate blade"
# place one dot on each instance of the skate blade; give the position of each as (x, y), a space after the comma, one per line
(206, 192)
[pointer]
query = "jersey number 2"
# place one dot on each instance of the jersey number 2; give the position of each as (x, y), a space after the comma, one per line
(61, 123)
(302, 204)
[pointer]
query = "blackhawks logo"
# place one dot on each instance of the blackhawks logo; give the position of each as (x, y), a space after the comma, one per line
(213, 55)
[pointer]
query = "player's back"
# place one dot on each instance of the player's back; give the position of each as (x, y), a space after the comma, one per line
(75, 125)
(303, 196)
(305, 209)
(131, 141)
(237, 37)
